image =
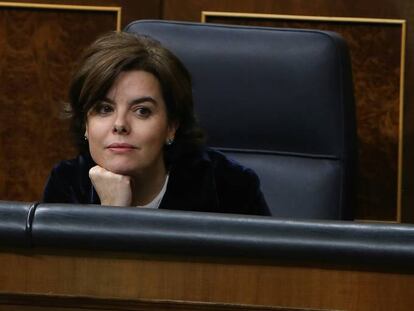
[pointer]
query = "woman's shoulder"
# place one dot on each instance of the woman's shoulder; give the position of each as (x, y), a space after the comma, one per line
(237, 186)
(71, 171)
(73, 166)
(68, 181)
(226, 171)
(228, 166)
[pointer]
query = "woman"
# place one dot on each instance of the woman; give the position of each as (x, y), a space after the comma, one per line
(132, 114)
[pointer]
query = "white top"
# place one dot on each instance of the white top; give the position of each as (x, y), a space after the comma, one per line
(157, 200)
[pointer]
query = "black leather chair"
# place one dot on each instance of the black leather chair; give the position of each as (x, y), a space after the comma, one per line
(277, 100)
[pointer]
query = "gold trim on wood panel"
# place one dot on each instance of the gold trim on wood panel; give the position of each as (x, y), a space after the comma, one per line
(205, 14)
(401, 116)
(402, 22)
(115, 9)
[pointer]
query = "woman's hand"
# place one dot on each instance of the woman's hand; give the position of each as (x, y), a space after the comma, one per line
(113, 189)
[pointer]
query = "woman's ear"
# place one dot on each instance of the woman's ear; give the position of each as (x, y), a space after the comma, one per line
(172, 129)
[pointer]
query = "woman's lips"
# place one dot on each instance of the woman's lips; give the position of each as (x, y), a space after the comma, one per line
(121, 147)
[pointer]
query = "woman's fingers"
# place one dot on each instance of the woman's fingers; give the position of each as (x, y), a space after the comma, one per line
(113, 189)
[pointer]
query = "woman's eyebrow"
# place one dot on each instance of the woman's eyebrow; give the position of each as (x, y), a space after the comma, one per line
(134, 101)
(107, 100)
(143, 100)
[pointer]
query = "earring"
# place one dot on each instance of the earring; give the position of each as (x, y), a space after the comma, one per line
(85, 137)
(169, 141)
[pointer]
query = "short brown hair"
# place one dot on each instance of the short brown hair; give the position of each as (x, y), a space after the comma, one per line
(115, 52)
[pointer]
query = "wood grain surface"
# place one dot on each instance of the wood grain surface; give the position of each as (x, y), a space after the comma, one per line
(195, 279)
(38, 50)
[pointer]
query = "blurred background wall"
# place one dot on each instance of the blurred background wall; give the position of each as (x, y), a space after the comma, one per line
(39, 47)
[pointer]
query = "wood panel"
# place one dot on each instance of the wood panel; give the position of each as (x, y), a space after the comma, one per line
(141, 278)
(39, 48)
(378, 198)
(190, 10)
(131, 9)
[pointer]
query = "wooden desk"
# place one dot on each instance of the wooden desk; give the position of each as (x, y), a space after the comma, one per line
(56, 279)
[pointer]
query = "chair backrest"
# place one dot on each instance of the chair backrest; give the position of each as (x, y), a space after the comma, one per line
(279, 101)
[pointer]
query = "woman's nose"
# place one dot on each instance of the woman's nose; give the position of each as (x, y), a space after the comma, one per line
(119, 129)
(120, 125)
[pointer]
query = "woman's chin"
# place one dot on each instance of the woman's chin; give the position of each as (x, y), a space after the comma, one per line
(121, 170)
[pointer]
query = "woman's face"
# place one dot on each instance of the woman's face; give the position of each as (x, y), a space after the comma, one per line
(129, 128)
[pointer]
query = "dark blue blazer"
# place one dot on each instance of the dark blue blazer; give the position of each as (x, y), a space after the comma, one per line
(205, 181)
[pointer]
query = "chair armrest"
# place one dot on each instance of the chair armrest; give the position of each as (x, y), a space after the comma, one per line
(222, 235)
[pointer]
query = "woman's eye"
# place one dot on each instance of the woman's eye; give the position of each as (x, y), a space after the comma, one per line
(143, 112)
(103, 108)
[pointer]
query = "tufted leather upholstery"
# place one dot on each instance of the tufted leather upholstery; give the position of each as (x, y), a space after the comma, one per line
(370, 246)
(277, 100)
